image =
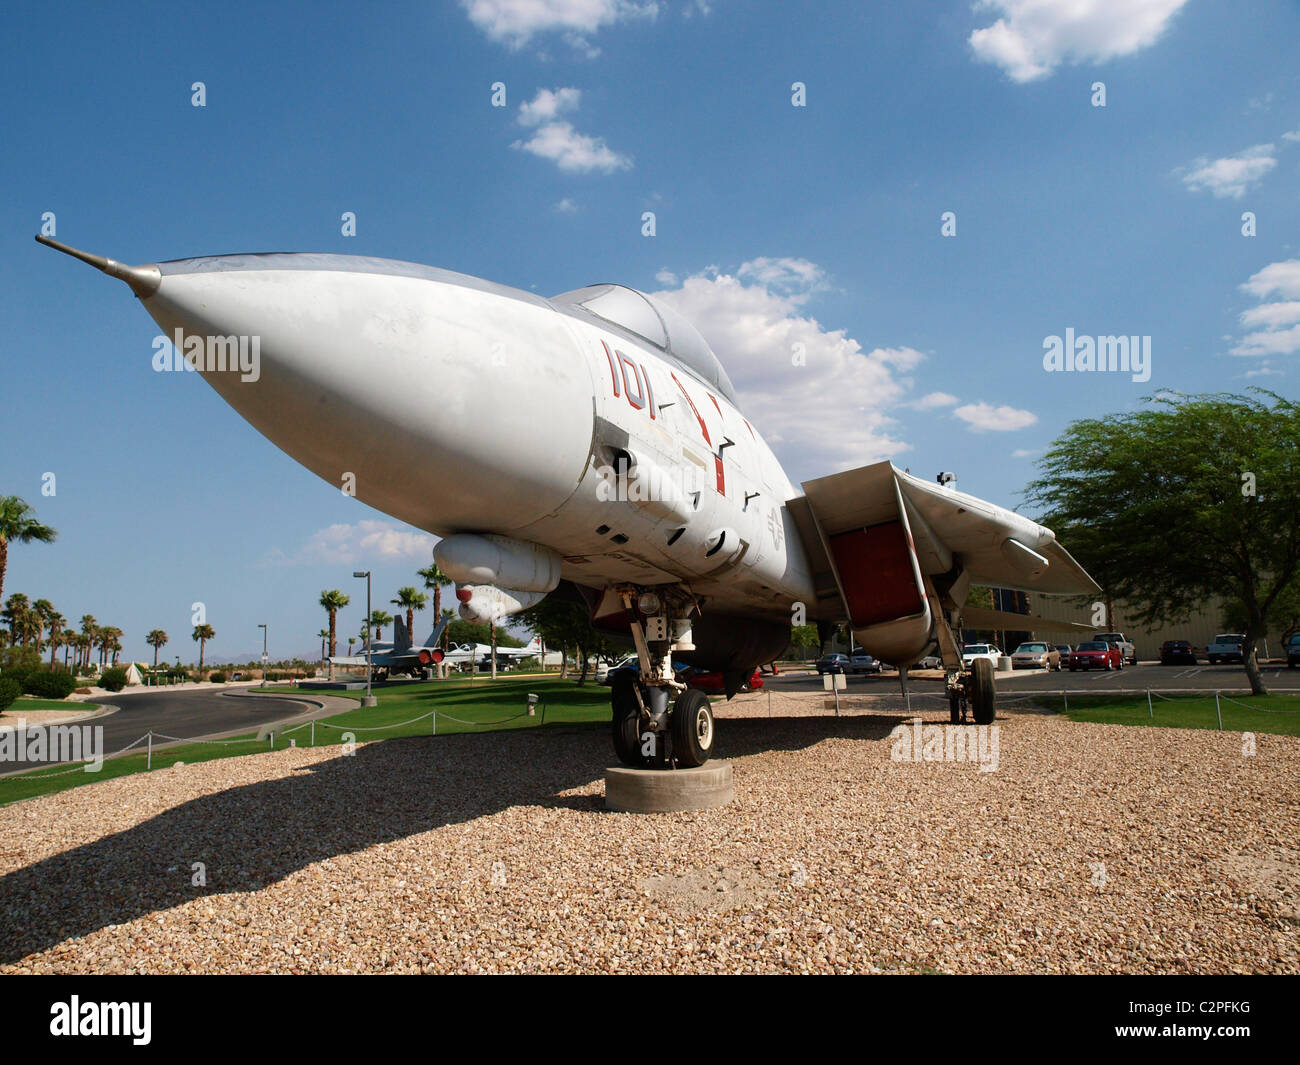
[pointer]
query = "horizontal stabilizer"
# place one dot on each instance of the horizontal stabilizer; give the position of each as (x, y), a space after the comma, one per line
(975, 617)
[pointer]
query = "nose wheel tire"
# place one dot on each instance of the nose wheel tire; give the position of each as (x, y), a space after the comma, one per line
(692, 725)
(983, 695)
(627, 720)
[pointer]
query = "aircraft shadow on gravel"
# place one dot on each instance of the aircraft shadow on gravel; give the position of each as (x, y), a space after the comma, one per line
(254, 835)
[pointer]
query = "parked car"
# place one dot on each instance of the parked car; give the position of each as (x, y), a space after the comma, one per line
(1125, 647)
(863, 664)
(832, 664)
(605, 674)
(930, 662)
(711, 681)
(1177, 653)
(973, 651)
(1065, 650)
(1036, 654)
(1226, 647)
(1293, 651)
(1096, 654)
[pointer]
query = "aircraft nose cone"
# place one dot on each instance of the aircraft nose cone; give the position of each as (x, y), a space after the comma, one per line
(448, 403)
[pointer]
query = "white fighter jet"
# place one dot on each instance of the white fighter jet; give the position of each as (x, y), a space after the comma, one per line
(479, 655)
(591, 445)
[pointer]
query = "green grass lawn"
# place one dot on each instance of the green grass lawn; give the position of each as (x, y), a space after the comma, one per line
(462, 705)
(28, 703)
(1278, 714)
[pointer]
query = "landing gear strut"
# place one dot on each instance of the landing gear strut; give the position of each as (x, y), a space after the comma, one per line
(657, 721)
(972, 690)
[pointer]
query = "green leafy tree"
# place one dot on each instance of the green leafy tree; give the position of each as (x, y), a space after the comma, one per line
(332, 601)
(201, 635)
(561, 622)
(1191, 498)
(17, 613)
(18, 525)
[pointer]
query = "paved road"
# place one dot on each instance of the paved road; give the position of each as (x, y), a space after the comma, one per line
(1142, 676)
(185, 715)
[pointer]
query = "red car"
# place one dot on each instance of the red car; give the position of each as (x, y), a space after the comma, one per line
(711, 682)
(1096, 654)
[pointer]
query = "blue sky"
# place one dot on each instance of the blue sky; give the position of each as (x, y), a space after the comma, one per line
(775, 225)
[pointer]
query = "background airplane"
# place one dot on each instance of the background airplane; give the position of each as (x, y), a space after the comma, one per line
(399, 657)
(591, 445)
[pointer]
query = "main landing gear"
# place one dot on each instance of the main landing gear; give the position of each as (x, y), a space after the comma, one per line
(972, 690)
(659, 723)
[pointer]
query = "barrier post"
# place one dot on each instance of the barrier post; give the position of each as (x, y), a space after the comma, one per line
(435, 722)
(1150, 712)
(149, 758)
(313, 733)
(1217, 711)
(1066, 696)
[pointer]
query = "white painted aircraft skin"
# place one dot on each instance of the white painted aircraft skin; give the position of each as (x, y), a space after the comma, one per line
(458, 405)
(460, 408)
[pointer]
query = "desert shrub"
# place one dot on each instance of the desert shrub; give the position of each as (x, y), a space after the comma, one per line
(218, 677)
(19, 663)
(49, 685)
(113, 679)
(10, 689)
(83, 691)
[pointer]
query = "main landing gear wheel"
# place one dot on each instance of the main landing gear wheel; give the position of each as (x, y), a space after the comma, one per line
(983, 697)
(627, 719)
(692, 728)
(954, 707)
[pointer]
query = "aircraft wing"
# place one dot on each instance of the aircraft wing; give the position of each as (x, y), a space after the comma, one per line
(876, 536)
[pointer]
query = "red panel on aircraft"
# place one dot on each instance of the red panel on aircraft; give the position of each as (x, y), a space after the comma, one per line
(875, 567)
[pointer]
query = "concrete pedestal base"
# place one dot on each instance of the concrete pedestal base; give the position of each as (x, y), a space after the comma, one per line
(654, 791)
(369, 700)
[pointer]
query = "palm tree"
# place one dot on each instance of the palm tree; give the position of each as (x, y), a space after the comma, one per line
(333, 601)
(88, 627)
(17, 607)
(324, 635)
(434, 579)
(55, 622)
(202, 634)
(85, 641)
(412, 599)
(18, 524)
(379, 619)
(42, 611)
(351, 641)
(109, 640)
(69, 639)
(156, 639)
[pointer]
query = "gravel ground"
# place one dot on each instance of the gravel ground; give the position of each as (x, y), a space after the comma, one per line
(1091, 848)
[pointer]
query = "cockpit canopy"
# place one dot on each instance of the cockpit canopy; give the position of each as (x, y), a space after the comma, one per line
(655, 322)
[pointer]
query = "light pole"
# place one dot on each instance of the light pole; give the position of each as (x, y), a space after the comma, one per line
(369, 700)
(265, 656)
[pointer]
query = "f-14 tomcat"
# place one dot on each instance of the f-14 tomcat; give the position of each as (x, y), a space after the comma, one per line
(591, 445)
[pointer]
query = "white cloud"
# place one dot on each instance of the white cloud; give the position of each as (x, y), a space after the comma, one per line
(983, 417)
(1264, 370)
(515, 22)
(1231, 176)
(1271, 315)
(1280, 279)
(797, 278)
(934, 400)
(566, 206)
(666, 277)
(818, 398)
(1294, 135)
(1024, 453)
(558, 141)
(343, 544)
(548, 105)
(1034, 37)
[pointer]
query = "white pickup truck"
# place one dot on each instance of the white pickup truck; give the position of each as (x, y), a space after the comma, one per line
(1226, 647)
(1127, 651)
